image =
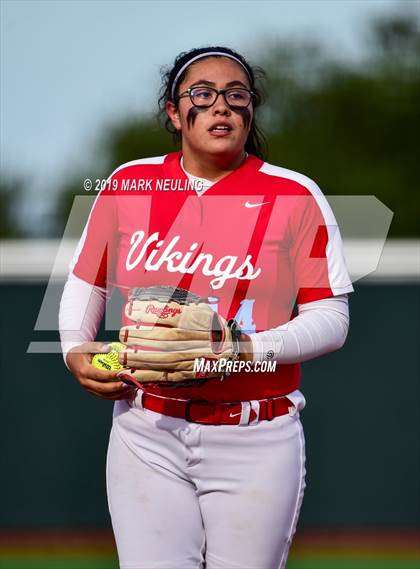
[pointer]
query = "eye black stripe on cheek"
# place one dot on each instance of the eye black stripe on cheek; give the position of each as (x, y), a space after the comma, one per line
(246, 116)
(193, 112)
(192, 115)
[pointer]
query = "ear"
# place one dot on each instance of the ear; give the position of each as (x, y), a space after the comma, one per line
(173, 114)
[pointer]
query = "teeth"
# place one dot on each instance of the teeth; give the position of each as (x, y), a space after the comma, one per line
(220, 128)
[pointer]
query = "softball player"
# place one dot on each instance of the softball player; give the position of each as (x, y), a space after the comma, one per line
(211, 474)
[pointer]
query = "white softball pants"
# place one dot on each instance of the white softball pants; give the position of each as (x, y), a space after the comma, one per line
(189, 496)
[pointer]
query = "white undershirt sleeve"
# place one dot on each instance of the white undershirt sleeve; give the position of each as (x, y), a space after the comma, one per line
(320, 327)
(81, 310)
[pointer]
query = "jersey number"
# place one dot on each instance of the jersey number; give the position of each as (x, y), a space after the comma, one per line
(244, 315)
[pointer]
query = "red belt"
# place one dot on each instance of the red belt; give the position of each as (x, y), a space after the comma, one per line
(210, 413)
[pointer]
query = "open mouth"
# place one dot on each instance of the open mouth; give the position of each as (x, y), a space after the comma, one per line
(220, 129)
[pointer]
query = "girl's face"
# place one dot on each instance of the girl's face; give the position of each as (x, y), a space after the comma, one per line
(197, 125)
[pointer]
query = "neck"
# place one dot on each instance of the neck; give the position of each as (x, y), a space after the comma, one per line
(212, 167)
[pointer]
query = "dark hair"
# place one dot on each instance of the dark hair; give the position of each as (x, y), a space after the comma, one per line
(255, 143)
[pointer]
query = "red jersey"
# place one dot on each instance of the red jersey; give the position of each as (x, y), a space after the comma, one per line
(260, 240)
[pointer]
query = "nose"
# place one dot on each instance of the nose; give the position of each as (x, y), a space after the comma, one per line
(220, 106)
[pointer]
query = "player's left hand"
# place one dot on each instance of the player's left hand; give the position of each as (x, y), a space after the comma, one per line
(172, 330)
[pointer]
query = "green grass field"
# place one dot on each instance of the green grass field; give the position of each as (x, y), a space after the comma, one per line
(310, 550)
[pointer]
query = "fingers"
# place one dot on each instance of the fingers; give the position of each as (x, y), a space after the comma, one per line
(102, 383)
(83, 369)
(144, 376)
(157, 359)
(167, 345)
(140, 363)
(91, 372)
(131, 334)
(114, 390)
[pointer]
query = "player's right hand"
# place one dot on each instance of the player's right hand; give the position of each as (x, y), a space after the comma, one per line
(104, 384)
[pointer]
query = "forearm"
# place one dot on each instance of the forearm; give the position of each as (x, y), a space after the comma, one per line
(320, 327)
(81, 310)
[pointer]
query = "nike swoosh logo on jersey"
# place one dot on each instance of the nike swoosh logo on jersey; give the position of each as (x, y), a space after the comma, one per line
(235, 414)
(247, 204)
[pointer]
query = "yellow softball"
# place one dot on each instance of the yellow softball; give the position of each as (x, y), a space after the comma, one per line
(117, 346)
(109, 361)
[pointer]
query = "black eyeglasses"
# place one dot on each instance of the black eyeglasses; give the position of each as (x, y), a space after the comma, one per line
(205, 97)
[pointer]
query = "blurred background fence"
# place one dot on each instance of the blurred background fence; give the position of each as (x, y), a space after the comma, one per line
(361, 421)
